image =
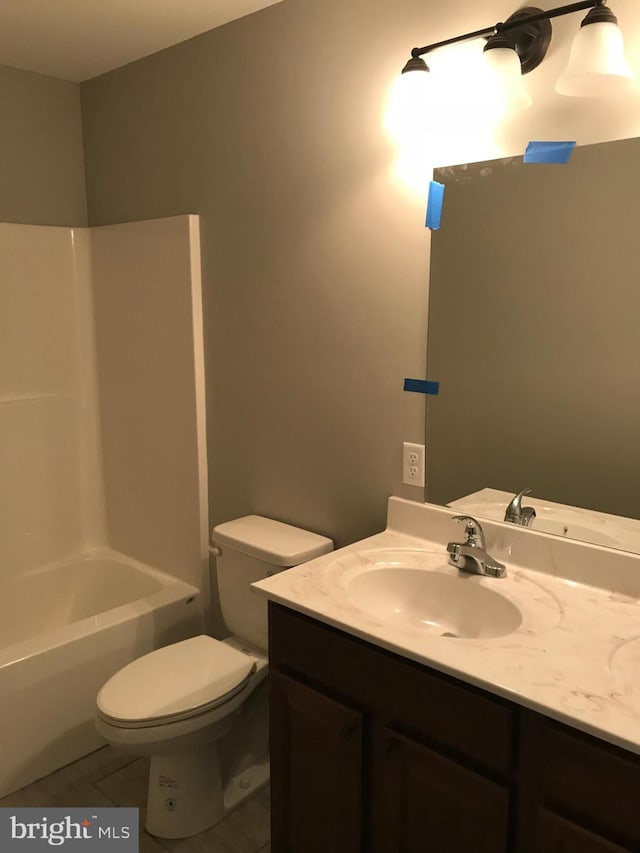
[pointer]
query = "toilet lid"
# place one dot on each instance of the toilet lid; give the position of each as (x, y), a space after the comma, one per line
(176, 681)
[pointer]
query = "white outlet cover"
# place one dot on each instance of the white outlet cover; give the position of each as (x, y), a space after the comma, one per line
(412, 464)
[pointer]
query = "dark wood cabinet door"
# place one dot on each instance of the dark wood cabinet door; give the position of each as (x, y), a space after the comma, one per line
(557, 835)
(316, 771)
(423, 802)
(577, 794)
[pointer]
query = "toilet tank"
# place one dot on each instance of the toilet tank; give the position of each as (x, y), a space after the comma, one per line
(250, 549)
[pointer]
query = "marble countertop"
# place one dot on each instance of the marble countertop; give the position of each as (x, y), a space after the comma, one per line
(575, 657)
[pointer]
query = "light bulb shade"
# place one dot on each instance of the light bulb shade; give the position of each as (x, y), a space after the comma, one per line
(506, 90)
(597, 66)
(410, 105)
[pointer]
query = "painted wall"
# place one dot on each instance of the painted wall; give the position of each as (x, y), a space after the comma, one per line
(41, 154)
(314, 273)
(315, 259)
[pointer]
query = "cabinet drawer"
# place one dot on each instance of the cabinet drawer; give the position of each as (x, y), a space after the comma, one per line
(407, 695)
(592, 781)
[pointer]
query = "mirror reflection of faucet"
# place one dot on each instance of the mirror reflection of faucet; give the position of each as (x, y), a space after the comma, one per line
(471, 555)
(518, 514)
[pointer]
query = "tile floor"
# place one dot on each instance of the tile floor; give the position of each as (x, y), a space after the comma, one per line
(111, 778)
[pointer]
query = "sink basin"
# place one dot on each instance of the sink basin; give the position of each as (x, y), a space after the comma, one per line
(438, 601)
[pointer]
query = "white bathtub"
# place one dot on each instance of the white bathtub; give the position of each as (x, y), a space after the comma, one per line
(64, 630)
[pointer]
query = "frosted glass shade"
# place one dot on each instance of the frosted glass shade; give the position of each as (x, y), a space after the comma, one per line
(506, 91)
(597, 66)
(409, 113)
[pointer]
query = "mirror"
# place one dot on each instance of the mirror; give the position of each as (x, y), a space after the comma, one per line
(534, 336)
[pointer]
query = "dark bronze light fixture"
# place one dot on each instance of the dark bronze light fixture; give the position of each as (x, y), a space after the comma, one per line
(597, 65)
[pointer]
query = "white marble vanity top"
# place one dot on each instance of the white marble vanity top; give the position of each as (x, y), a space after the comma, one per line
(576, 655)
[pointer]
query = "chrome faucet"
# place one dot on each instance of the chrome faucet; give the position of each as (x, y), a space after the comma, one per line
(471, 555)
(518, 514)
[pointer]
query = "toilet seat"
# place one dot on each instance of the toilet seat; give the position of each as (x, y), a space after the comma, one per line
(175, 683)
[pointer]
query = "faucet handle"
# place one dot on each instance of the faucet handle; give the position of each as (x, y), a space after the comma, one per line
(473, 530)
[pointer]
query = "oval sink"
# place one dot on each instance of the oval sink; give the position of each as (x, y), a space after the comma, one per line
(445, 604)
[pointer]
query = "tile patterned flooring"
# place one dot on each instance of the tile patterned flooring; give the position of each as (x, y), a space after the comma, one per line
(112, 778)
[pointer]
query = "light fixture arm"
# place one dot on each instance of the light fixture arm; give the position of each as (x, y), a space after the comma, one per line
(516, 23)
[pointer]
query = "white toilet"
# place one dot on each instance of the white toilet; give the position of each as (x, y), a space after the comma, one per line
(199, 708)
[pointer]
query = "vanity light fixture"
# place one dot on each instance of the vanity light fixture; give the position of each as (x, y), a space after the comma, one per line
(597, 64)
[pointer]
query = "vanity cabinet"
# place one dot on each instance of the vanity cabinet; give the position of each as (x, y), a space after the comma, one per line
(557, 835)
(320, 754)
(419, 794)
(579, 793)
(373, 753)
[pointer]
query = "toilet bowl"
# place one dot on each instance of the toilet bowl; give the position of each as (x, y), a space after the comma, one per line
(174, 705)
(198, 708)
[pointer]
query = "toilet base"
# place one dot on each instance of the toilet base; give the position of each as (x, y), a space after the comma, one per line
(185, 793)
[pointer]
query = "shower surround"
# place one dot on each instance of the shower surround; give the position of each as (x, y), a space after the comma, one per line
(103, 470)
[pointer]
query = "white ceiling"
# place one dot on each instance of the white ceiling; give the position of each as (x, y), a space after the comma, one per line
(79, 39)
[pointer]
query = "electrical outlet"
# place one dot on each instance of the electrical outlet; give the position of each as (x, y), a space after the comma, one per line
(413, 464)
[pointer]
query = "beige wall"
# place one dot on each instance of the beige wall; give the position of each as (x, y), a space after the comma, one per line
(314, 263)
(41, 156)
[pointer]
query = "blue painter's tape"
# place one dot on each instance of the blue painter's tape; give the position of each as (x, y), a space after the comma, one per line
(549, 152)
(422, 386)
(434, 205)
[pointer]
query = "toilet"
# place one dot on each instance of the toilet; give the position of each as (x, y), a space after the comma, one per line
(198, 708)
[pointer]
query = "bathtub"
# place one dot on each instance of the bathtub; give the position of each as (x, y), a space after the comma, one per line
(64, 630)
